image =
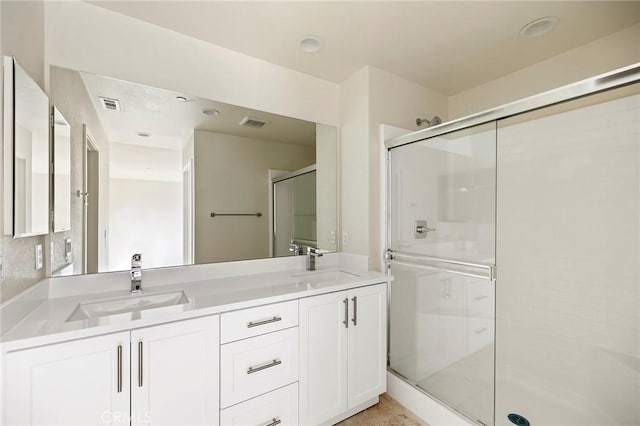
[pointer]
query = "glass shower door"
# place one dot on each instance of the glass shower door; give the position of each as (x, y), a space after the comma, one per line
(568, 246)
(442, 237)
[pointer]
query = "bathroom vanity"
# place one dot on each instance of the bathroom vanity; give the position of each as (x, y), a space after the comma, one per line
(273, 347)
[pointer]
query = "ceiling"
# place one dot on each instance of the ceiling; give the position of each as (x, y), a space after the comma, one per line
(171, 123)
(449, 46)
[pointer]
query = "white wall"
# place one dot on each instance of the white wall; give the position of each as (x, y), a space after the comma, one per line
(354, 162)
(602, 55)
(139, 162)
(146, 217)
(369, 98)
(145, 210)
(327, 185)
(232, 176)
(85, 37)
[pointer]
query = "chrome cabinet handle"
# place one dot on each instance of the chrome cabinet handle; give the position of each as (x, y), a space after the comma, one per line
(257, 368)
(263, 322)
(355, 310)
(119, 368)
(275, 422)
(140, 364)
(346, 313)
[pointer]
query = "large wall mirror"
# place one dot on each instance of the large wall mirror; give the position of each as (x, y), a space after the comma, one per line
(182, 179)
(61, 137)
(26, 154)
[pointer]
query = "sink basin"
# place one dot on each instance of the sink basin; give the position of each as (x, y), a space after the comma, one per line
(322, 277)
(134, 304)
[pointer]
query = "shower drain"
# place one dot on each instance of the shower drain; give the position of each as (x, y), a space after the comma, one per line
(518, 420)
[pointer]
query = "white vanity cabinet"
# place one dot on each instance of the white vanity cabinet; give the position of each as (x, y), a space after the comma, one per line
(298, 361)
(342, 352)
(174, 373)
(82, 382)
(174, 378)
(259, 365)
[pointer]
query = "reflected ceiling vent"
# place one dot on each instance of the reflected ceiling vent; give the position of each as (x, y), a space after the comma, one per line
(110, 104)
(253, 123)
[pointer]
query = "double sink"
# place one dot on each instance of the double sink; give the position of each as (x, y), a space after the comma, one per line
(145, 305)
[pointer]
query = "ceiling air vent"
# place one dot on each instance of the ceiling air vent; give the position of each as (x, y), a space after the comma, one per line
(110, 104)
(253, 123)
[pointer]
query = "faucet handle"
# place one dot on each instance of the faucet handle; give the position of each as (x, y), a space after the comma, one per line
(314, 251)
(295, 248)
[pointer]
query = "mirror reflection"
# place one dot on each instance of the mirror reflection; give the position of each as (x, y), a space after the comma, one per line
(182, 179)
(294, 211)
(61, 173)
(30, 156)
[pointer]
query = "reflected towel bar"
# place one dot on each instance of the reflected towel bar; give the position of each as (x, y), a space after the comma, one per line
(236, 214)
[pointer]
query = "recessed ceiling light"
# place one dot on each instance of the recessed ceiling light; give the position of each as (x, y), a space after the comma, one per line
(210, 111)
(311, 44)
(144, 134)
(538, 27)
(181, 99)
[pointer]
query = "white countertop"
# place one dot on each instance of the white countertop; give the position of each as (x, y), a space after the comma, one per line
(46, 322)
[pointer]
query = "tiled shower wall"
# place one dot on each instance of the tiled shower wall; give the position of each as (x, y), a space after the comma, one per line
(568, 232)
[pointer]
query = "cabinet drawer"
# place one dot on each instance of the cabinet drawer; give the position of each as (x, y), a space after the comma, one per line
(259, 320)
(278, 406)
(255, 366)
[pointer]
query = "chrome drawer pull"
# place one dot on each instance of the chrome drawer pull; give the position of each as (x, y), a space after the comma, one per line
(480, 330)
(263, 322)
(480, 298)
(119, 368)
(275, 422)
(355, 310)
(140, 364)
(255, 369)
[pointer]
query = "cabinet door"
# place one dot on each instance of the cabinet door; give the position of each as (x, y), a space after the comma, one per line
(323, 357)
(367, 343)
(82, 382)
(174, 373)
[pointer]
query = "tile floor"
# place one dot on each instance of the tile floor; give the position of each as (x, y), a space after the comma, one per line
(386, 413)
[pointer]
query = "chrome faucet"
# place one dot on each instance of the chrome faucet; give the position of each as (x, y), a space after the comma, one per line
(312, 253)
(295, 248)
(136, 273)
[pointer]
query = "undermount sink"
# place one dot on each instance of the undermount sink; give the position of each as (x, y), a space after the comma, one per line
(134, 304)
(317, 277)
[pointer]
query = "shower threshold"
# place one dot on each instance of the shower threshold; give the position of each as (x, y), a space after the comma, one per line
(445, 404)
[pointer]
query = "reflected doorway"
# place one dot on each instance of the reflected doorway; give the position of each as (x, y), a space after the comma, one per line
(91, 204)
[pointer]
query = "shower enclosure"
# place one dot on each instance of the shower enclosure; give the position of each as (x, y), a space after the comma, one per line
(514, 242)
(293, 215)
